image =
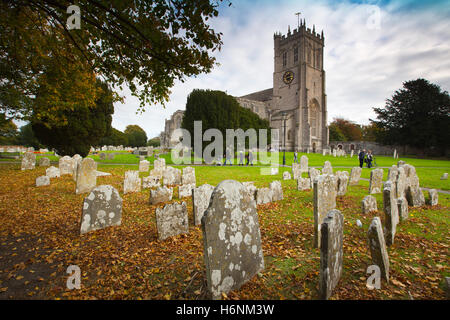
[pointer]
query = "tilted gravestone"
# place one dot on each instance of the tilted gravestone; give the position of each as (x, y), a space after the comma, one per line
(28, 161)
(355, 175)
(86, 176)
(304, 163)
(44, 162)
(144, 166)
(52, 172)
(172, 220)
(42, 181)
(185, 190)
(132, 182)
(171, 176)
(303, 184)
(390, 211)
(433, 197)
(200, 201)
(76, 166)
(232, 239)
(369, 204)
(414, 194)
(263, 195)
(327, 168)
(161, 194)
(188, 176)
(151, 182)
(277, 190)
(101, 208)
(376, 181)
(331, 252)
(377, 246)
(324, 201)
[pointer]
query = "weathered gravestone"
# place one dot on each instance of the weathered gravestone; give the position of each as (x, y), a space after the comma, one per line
(172, 220)
(28, 161)
(44, 162)
(101, 208)
(277, 190)
(377, 246)
(150, 182)
(400, 183)
(76, 161)
(433, 198)
(414, 194)
(304, 163)
(200, 201)
(42, 181)
(171, 176)
(185, 190)
(376, 181)
(132, 182)
(342, 182)
(86, 176)
(401, 163)
(188, 176)
(355, 175)
(286, 175)
(232, 239)
(444, 176)
(274, 171)
(52, 172)
(368, 204)
(390, 211)
(296, 172)
(331, 252)
(102, 156)
(160, 194)
(263, 195)
(251, 188)
(327, 168)
(110, 156)
(392, 173)
(66, 165)
(303, 184)
(324, 201)
(144, 166)
(313, 174)
(402, 205)
(159, 165)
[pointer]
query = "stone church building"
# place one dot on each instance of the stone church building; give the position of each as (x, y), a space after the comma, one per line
(297, 103)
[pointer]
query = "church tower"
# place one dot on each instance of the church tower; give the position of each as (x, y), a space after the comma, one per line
(299, 98)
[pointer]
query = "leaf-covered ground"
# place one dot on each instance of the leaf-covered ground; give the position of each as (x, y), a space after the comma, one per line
(39, 237)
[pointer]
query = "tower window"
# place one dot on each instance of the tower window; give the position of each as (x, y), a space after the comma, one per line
(284, 59)
(295, 54)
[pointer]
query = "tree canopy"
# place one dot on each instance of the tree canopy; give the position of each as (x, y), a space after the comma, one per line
(136, 136)
(417, 115)
(116, 138)
(344, 130)
(154, 142)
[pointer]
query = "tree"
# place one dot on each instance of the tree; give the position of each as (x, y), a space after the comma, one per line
(336, 133)
(344, 130)
(8, 131)
(372, 132)
(417, 115)
(146, 45)
(136, 136)
(27, 137)
(116, 138)
(154, 142)
(84, 126)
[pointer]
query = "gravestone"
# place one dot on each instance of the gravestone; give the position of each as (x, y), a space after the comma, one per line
(132, 182)
(376, 181)
(303, 184)
(42, 181)
(273, 171)
(390, 211)
(200, 201)
(101, 208)
(188, 176)
(369, 204)
(433, 197)
(402, 205)
(150, 182)
(66, 165)
(86, 176)
(28, 161)
(144, 166)
(327, 168)
(355, 175)
(331, 252)
(102, 156)
(286, 175)
(171, 176)
(160, 194)
(444, 176)
(342, 182)
(401, 163)
(296, 172)
(44, 162)
(313, 174)
(324, 201)
(263, 195)
(400, 183)
(172, 220)
(414, 194)
(251, 189)
(159, 165)
(277, 190)
(377, 246)
(110, 156)
(304, 163)
(185, 190)
(76, 161)
(232, 239)
(393, 173)
(52, 172)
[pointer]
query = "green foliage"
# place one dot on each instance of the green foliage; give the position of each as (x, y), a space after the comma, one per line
(372, 132)
(116, 138)
(418, 115)
(336, 133)
(344, 129)
(136, 136)
(154, 142)
(28, 138)
(8, 131)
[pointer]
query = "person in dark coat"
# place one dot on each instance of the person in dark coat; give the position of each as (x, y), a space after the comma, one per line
(361, 157)
(369, 159)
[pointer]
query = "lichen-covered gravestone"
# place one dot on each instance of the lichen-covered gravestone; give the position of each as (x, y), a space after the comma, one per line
(159, 166)
(52, 172)
(400, 183)
(66, 165)
(172, 220)
(355, 175)
(144, 166)
(263, 195)
(377, 247)
(28, 161)
(102, 156)
(86, 176)
(304, 163)
(402, 205)
(171, 176)
(132, 182)
(185, 190)
(188, 176)
(327, 168)
(324, 201)
(161, 194)
(286, 175)
(433, 198)
(277, 190)
(368, 204)
(376, 181)
(296, 172)
(101, 208)
(392, 173)
(414, 194)
(42, 181)
(151, 182)
(342, 182)
(390, 211)
(251, 188)
(303, 184)
(331, 252)
(200, 201)
(44, 162)
(232, 239)
(313, 174)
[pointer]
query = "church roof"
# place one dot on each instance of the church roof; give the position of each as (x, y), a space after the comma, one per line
(263, 95)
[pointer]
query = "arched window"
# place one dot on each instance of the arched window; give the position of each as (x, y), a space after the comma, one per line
(289, 134)
(314, 118)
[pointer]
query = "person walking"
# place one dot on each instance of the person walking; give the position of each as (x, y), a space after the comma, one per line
(241, 158)
(246, 158)
(228, 157)
(369, 159)
(361, 157)
(295, 157)
(250, 157)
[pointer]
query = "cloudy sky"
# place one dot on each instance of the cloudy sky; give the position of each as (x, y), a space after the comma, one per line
(371, 47)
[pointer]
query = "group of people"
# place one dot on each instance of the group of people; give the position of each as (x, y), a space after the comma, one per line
(365, 157)
(248, 157)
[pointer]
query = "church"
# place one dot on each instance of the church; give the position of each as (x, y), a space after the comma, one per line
(297, 103)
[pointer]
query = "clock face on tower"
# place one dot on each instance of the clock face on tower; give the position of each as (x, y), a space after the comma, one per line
(288, 76)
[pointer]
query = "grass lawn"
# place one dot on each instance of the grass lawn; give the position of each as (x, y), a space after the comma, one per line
(39, 236)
